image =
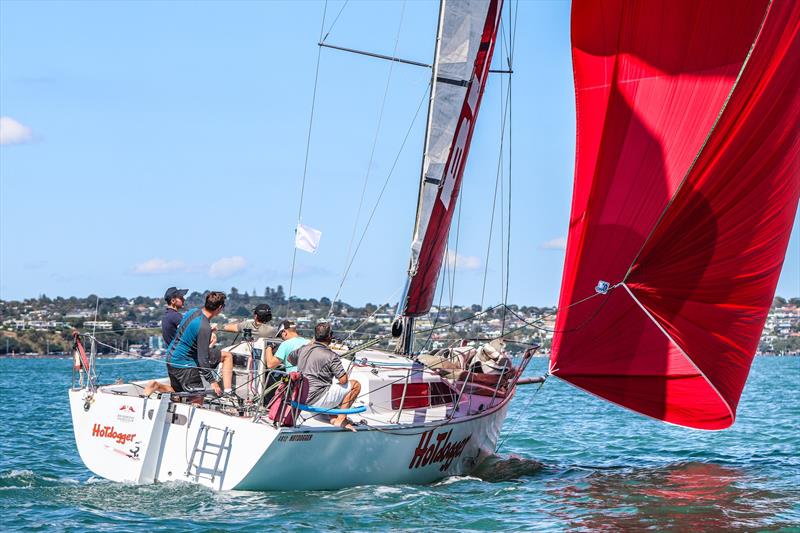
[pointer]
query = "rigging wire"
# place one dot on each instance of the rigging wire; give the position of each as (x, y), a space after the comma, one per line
(308, 150)
(497, 186)
(430, 330)
(387, 300)
(510, 59)
(518, 417)
(378, 200)
(501, 178)
(330, 28)
(455, 253)
(371, 155)
(436, 317)
(526, 324)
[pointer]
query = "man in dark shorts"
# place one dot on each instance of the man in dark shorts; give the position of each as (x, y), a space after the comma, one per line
(190, 355)
(328, 386)
(175, 299)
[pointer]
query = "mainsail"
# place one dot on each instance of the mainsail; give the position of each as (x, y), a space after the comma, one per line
(464, 46)
(686, 187)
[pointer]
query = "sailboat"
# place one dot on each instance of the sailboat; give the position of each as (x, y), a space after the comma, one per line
(686, 186)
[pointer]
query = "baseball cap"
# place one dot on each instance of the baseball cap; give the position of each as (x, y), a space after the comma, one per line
(173, 292)
(286, 324)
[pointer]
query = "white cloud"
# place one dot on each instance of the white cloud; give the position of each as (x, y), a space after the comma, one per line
(12, 132)
(559, 243)
(159, 266)
(227, 267)
(463, 262)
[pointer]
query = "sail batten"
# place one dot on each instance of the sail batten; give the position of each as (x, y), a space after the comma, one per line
(465, 43)
(686, 187)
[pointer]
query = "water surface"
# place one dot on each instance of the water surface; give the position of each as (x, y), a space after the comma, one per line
(566, 461)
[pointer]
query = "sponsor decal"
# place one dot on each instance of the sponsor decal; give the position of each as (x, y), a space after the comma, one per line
(437, 450)
(295, 438)
(108, 432)
(130, 453)
(125, 413)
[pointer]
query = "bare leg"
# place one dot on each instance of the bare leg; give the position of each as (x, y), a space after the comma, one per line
(349, 398)
(227, 370)
(155, 386)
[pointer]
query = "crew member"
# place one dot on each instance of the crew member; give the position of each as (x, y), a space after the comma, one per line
(328, 386)
(191, 353)
(175, 299)
(258, 325)
(287, 332)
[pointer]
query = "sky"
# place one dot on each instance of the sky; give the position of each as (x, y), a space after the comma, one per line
(151, 144)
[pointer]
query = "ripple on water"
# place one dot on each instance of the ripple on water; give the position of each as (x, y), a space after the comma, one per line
(569, 462)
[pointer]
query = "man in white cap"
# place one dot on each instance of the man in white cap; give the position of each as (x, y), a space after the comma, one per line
(287, 332)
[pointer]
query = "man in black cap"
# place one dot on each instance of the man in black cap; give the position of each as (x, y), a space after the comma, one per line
(172, 316)
(175, 299)
(258, 325)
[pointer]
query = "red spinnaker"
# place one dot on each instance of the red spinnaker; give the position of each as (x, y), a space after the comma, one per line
(686, 187)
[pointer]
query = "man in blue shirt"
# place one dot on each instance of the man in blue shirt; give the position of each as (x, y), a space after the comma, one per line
(291, 341)
(191, 354)
(172, 317)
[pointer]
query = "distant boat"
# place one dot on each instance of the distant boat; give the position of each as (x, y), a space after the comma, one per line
(686, 186)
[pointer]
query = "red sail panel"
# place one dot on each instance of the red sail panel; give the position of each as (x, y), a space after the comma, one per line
(449, 140)
(676, 341)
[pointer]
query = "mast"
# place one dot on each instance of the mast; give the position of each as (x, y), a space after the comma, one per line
(405, 344)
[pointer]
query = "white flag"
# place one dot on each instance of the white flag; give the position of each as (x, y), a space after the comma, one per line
(306, 238)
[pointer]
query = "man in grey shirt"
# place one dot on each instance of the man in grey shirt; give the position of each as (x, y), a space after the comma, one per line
(328, 386)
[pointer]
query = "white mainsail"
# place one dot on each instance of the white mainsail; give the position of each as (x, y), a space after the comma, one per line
(464, 46)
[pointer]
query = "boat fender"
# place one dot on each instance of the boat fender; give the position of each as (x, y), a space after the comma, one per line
(76, 360)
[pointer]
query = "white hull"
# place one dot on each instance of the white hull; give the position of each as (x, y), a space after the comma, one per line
(128, 438)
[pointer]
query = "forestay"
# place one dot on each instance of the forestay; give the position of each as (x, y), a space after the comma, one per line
(686, 187)
(464, 46)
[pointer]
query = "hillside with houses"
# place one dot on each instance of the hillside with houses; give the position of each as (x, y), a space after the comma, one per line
(44, 325)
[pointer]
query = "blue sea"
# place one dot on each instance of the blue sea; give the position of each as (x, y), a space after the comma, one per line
(567, 461)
